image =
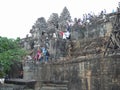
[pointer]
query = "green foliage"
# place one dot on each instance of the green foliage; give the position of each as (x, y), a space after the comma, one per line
(10, 51)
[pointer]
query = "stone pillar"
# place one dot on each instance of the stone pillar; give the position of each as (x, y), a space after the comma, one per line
(88, 75)
(28, 70)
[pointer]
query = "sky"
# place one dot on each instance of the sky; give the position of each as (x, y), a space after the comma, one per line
(18, 16)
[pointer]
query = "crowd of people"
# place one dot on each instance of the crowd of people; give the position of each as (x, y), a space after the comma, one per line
(42, 55)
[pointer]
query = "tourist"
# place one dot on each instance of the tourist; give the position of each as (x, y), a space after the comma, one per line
(21, 74)
(67, 35)
(43, 49)
(38, 55)
(2, 80)
(61, 34)
(47, 56)
(54, 35)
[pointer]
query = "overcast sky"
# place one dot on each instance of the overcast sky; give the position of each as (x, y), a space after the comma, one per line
(18, 16)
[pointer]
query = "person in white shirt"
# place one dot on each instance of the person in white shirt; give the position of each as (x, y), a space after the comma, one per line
(66, 35)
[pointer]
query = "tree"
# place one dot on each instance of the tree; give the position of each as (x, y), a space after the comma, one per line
(10, 52)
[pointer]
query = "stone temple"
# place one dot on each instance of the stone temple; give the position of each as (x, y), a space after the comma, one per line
(88, 59)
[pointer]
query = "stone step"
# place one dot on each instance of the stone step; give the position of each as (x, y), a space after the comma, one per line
(53, 88)
(55, 85)
(12, 87)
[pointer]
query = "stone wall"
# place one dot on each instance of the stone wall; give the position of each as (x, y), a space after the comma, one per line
(83, 74)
